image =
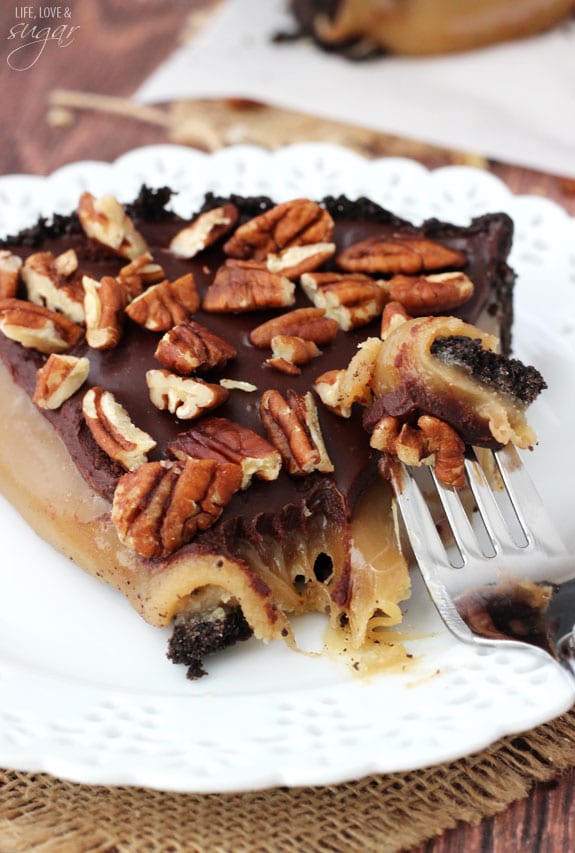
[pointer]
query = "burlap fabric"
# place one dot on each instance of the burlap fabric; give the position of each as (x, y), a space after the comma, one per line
(378, 813)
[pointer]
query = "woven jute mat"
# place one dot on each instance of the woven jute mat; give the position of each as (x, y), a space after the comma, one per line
(379, 813)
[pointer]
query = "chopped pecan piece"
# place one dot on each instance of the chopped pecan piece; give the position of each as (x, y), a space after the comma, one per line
(290, 352)
(104, 304)
(311, 324)
(105, 221)
(352, 299)
(58, 379)
(190, 346)
(47, 280)
(10, 266)
(113, 430)
(140, 273)
(204, 231)
(392, 436)
(430, 294)
(296, 260)
(394, 314)
(293, 223)
(292, 425)
(166, 304)
(186, 398)
(240, 287)
(162, 505)
(340, 389)
(238, 385)
(227, 441)
(399, 255)
(36, 327)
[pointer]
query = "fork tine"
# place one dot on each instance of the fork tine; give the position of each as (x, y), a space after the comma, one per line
(527, 504)
(491, 515)
(461, 528)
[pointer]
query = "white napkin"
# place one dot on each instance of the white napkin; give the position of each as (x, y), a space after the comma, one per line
(514, 102)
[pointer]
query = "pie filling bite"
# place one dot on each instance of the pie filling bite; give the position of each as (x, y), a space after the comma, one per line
(208, 400)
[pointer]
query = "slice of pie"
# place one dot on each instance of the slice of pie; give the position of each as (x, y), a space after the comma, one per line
(194, 410)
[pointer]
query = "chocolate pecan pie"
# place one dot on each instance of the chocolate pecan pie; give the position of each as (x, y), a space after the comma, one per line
(195, 409)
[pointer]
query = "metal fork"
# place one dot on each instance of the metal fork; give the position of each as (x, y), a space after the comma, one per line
(506, 576)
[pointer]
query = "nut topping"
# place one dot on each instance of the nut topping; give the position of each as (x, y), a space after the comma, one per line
(113, 430)
(166, 304)
(104, 304)
(204, 231)
(340, 389)
(10, 266)
(190, 346)
(394, 314)
(184, 397)
(430, 294)
(352, 299)
(290, 352)
(105, 220)
(311, 324)
(36, 327)
(293, 223)
(58, 379)
(162, 505)
(47, 282)
(414, 445)
(296, 260)
(140, 273)
(292, 425)
(240, 287)
(399, 255)
(226, 441)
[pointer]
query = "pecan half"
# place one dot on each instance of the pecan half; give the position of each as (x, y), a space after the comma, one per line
(289, 352)
(227, 441)
(104, 304)
(105, 221)
(36, 327)
(113, 430)
(296, 260)
(308, 323)
(292, 426)
(399, 255)
(204, 231)
(241, 287)
(340, 389)
(10, 266)
(166, 304)
(430, 294)
(186, 398)
(293, 223)
(162, 505)
(47, 280)
(352, 299)
(58, 379)
(191, 346)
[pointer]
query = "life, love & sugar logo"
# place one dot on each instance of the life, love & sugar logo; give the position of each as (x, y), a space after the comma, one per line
(35, 28)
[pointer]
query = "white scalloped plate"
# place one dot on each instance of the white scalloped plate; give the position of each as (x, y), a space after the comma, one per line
(86, 692)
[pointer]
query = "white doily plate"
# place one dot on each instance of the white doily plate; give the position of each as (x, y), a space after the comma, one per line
(86, 692)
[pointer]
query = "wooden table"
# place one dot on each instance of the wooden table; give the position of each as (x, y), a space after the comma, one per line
(115, 49)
